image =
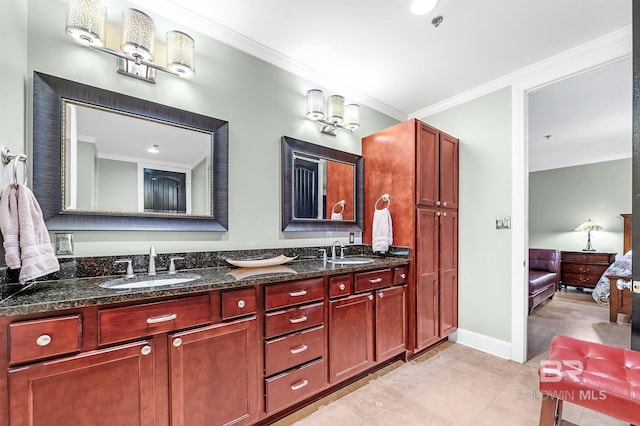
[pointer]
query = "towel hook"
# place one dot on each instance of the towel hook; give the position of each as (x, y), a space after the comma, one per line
(7, 157)
(385, 199)
(340, 204)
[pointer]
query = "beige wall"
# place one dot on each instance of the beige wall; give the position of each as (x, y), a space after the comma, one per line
(260, 101)
(483, 126)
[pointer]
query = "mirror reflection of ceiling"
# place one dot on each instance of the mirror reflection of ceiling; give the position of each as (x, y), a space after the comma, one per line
(127, 138)
(587, 117)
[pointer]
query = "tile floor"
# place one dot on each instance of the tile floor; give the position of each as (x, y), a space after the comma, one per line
(456, 385)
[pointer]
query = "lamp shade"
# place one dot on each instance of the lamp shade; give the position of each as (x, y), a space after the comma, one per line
(335, 108)
(589, 225)
(86, 22)
(315, 104)
(138, 34)
(180, 53)
(351, 119)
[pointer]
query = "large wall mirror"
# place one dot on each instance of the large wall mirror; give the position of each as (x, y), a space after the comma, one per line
(322, 188)
(107, 161)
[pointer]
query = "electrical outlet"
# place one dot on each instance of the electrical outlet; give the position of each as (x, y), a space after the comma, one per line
(63, 244)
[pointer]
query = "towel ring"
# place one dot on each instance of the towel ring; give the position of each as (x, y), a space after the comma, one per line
(385, 199)
(340, 204)
(20, 158)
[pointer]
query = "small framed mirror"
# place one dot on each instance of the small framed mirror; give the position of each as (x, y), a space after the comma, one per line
(322, 188)
(107, 161)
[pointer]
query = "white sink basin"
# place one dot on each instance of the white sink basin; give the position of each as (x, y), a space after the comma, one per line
(145, 281)
(351, 260)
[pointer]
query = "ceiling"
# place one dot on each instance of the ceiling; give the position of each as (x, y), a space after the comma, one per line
(377, 53)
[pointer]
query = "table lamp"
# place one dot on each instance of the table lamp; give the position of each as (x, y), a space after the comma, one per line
(589, 226)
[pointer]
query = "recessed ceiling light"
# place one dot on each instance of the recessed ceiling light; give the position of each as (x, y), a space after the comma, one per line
(154, 149)
(422, 7)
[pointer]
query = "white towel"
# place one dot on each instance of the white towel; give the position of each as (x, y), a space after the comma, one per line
(336, 216)
(22, 224)
(9, 226)
(382, 230)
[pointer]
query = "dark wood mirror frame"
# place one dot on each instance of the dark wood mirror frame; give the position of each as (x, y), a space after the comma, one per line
(48, 93)
(289, 223)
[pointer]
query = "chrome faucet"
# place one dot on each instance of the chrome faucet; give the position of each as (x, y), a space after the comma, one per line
(333, 249)
(152, 261)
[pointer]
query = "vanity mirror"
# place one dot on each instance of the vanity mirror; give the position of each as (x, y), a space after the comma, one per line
(107, 161)
(322, 188)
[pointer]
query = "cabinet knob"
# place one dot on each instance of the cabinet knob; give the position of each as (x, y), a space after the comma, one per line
(438, 213)
(437, 203)
(177, 342)
(342, 286)
(444, 213)
(146, 350)
(381, 295)
(241, 304)
(43, 340)
(444, 204)
(371, 297)
(403, 276)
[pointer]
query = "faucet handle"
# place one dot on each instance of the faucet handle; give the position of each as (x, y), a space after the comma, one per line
(153, 252)
(324, 253)
(172, 266)
(129, 267)
(341, 252)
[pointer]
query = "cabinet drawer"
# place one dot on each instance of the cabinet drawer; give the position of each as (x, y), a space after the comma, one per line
(370, 280)
(580, 280)
(400, 275)
(295, 349)
(586, 257)
(236, 303)
(293, 293)
(340, 285)
(578, 268)
(37, 339)
(294, 386)
(130, 322)
(294, 319)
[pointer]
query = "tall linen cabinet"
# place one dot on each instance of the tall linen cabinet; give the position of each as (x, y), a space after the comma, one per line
(417, 165)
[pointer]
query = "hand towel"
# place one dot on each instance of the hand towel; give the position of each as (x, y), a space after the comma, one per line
(382, 230)
(36, 254)
(336, 216)
(9, 226)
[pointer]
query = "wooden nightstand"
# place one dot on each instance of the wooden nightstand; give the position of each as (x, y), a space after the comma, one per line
(583, 269)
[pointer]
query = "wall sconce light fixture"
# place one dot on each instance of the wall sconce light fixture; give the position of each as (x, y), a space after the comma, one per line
(338, 115)
(589, 226)
(86, 25)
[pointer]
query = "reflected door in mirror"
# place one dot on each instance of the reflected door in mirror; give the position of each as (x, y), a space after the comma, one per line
(305, 190)
(164, 192)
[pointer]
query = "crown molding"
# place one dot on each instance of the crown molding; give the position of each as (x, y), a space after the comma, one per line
(196, 22)
(609, 48)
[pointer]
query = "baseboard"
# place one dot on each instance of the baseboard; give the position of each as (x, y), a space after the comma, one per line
(483, 343)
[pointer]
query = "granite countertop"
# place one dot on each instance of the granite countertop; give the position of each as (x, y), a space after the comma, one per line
(54, 295)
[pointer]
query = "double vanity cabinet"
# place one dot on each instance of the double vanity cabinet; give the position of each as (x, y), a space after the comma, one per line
(222, 353)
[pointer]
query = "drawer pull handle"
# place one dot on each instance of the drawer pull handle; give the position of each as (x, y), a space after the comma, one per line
(43, 340)
(403, 276)
(299, 349)
(298, 320)
(162, 318)
(298, 293)
(299, 385)
(375, 281)
(342, 286)
(146, 350)
(241, 304)
(177, 342)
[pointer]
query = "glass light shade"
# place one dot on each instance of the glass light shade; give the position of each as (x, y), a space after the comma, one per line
(422, 7)
(86, 22)
(315, 104)
(589, 225)
(138, 34)
(181, 53)
(335, 108)
(351, 119)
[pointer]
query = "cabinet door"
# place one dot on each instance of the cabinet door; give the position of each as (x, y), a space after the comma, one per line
(448, 279)
(391, 326)
(112, 386)
(350, 336)
(448, 171)
(427, 164)
(427, 329)
(213, 374)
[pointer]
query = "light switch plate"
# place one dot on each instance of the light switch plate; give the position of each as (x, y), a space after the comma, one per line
(503, 222)
(63, 244)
